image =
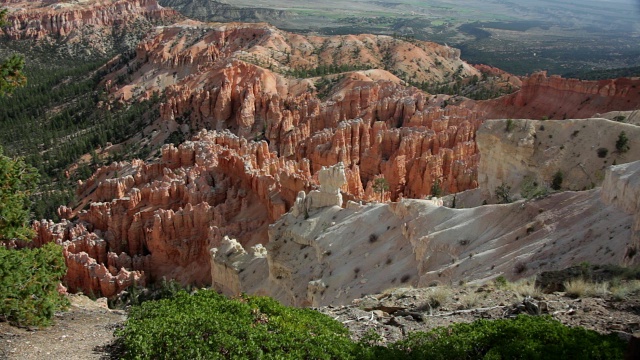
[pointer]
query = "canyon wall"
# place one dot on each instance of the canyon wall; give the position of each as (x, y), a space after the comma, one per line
(215, 77)
(553, 97)
(278, 108)
(39, 20)
(621, 188)
(527, 154)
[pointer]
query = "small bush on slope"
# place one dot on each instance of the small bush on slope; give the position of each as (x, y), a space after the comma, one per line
(525, 337)
(209, 326)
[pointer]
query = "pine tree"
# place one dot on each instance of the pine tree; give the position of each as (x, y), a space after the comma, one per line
(380, 185)
(11, 75)
(436, 189)
(18, 180)
(622, 144)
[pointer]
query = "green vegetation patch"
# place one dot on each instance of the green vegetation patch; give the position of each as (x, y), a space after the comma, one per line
(56, 118)
(28, 284)
(525, 337)
(206, 325)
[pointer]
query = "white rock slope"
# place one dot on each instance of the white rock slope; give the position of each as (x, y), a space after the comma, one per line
(331, 255)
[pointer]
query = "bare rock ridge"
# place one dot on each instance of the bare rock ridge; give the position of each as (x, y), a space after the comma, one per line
(205, 10)
(331, 181)
(29, 20)
(85, 28)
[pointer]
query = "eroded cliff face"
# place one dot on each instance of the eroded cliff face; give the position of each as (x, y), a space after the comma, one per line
(330, 255)
(148, 221)
(554, 97)
(527, 155)
(59, 19)
(621, 188)
(216, 77)
(87, 26)
(273, 125)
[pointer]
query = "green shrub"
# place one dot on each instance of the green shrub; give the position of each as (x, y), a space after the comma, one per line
(206, 325)
(556, 182)
(17, 183)
(137, 294)
(436, 189)
(500, 281)
(531, 189)
(622, 144)
(28, 284)
(525, 337)
(510, 125)
(503, 193)
(602, 152)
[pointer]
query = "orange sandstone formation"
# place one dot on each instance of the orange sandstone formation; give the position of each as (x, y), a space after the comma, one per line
(41, 19)
(160, 219)
(554, 97)
(271, 129)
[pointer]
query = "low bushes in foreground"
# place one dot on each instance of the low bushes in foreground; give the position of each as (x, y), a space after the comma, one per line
(525, 337)
(206, 325)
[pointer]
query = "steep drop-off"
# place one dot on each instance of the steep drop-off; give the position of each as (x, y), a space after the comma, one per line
(160, 219)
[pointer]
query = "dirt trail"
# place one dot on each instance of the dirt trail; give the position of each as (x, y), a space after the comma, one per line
(85, 331)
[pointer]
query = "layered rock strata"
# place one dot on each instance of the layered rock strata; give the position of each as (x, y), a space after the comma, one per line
(553, 97)
(44, 19)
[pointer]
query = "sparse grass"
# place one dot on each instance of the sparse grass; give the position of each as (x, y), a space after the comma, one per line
(398, 291)
(578, 288)
(623, 290)
(524, 288)
(470, 301)
(599, 289)
(439, 296)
